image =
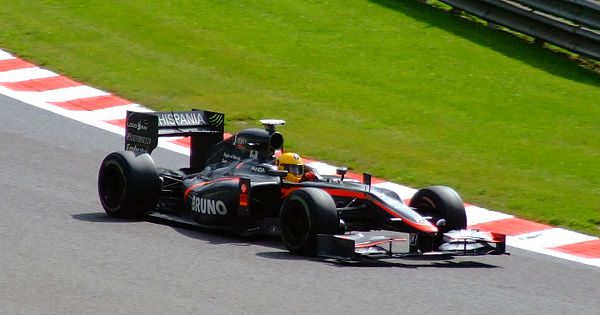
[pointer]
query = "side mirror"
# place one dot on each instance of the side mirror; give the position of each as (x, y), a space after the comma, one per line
(342, 171)
(278, 173)
(367, 180)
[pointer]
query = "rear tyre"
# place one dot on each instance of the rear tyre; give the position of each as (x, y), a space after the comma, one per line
(439, 202)
(128, 184)
(305, 213)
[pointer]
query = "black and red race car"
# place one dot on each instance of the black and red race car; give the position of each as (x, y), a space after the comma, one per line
(233, 185)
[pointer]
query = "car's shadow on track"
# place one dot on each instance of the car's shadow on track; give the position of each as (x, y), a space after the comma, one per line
(215, 237)
(414, 262)
(447, 263)
(100, 217)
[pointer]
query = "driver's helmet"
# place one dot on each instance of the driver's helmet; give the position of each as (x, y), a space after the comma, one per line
(292, 163)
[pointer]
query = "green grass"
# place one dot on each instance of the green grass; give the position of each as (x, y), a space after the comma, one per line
(398, 88)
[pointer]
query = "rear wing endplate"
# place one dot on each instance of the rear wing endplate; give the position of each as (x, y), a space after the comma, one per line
(205, 128)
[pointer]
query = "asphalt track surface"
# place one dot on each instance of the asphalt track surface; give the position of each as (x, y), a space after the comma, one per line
(62, 254)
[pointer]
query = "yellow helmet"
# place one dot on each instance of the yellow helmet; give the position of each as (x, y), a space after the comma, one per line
(292, 163)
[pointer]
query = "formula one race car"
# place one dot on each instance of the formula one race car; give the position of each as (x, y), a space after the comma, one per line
(234, 185)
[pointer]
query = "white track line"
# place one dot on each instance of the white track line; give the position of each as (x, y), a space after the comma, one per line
(25, 74)
(4, 55)
(476, 215)
(551, 238)
(68, 94)
(116, 112)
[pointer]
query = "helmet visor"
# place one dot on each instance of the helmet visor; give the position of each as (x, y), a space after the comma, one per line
(294, 169)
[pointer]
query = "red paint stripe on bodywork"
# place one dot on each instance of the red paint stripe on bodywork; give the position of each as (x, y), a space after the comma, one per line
(40, 85)
(425, 227)
(511, 226)
(345, 193)
(382, 206)
(363, 245)
(286, 191)
(93, 103)
(14, 64)
(587, 249)
(187, 191)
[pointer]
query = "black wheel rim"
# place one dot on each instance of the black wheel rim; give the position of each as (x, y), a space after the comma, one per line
(297, 224)
(112, 186)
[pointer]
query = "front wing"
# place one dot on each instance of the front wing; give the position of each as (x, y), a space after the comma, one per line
(457, 243)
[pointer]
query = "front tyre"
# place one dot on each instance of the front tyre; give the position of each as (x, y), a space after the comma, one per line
(305, 213)
(439, 202)
(128, 184)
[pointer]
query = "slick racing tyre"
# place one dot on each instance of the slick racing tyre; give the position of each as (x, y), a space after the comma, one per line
(128, 184)
(439, 202)
(305, 213)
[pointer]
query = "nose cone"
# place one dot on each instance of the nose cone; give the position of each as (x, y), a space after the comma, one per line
(424, 226)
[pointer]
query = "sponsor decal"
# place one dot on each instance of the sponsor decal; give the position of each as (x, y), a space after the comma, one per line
(231, 157)
(217, 120)
(139, 139)
(208, 206)
(241, 140)
(244, 195)
(140, 125)
(140, 132)
(413, 239)
(258, 169)
(135, 148)
(181, 119)
(274, 230)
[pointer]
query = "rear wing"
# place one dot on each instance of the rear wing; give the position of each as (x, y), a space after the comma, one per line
(205, 128)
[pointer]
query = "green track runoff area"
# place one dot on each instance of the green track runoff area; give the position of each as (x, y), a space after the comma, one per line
(400, 89)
